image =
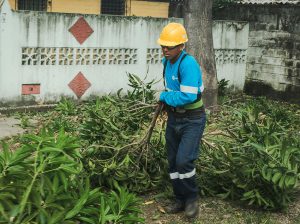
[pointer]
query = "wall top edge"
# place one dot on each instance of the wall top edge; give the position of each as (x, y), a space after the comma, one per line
(229, 21)
(102, 16)
(268, 2)
(114, 17)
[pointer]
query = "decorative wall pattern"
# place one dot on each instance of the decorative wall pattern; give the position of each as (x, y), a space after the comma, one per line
(122, 56)
(47, 56)
(81, 30)
(111, 56)
(154, 55)
(78, 56)
(65, 56)
(79, 85)
(230, 56)
(223, 56)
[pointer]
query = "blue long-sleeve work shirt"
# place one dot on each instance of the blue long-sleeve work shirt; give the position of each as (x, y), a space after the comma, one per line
(183, 93)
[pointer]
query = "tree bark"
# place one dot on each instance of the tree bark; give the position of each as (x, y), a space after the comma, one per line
(198, 23)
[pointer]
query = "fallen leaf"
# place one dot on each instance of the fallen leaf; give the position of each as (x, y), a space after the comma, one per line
(148, 202)
(161, 209)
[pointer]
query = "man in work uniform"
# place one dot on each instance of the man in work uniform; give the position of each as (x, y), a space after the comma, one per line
(186, 117)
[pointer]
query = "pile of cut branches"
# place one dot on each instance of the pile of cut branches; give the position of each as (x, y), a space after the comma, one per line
(43, 182)
(252, 153)
(250, 150)
(115, 133)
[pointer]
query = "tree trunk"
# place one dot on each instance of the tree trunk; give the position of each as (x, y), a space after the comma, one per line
(198, 23)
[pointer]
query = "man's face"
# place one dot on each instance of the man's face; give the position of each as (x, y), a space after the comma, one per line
(171, 53)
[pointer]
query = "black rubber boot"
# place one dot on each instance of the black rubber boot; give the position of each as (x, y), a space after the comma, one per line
(192, 209)
(176, 207)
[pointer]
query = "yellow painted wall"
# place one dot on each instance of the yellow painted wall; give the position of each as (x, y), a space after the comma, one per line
(134, 7)
(76, 6)
(12, 4)
(147, 8)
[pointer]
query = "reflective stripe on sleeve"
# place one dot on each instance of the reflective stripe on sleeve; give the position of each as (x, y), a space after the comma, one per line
(188, 89)
(177, 175)
(201, 88)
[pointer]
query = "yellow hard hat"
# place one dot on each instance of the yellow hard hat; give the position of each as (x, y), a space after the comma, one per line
(172, 34)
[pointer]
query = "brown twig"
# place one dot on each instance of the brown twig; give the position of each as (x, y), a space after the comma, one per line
(208, 143)
(144, 143)
(217, 132)
(153, 122)
(139, 108)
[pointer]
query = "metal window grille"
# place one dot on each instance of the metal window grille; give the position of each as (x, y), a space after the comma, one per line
(33, 5)
(161, 0)
(113, 7)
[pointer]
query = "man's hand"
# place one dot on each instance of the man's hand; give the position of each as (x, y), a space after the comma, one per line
(162, 105)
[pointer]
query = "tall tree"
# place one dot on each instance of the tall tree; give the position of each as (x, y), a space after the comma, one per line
(198, 23)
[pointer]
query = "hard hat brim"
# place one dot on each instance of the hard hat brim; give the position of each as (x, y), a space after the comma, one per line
(169, 43)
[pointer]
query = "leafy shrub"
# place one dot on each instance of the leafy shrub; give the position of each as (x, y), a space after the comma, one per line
(42, 182)
(66, 107)
(111, 130)
(222, 87)
(257, 160)
(114, 128)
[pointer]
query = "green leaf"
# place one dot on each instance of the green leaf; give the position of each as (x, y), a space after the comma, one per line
(63, 179)
(87, 220)
(56, 217)
(50, 150)
(281, 182)
(69, 168)
(276, 177)
(55, 183)
(80, 203)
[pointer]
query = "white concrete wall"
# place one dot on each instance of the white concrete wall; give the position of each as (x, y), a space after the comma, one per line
(231, 43)
(37, 34)
(273, 55)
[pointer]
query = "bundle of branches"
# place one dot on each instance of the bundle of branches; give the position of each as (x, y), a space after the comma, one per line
(252, 153)
(115, 133)
(118, 132)
(43, 182)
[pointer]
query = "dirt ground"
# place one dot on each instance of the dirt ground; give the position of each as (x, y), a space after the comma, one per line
(9, 127)
(214, 211)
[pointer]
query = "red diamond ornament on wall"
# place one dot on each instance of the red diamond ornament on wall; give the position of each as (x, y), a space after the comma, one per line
(79, 85)
(81, 30)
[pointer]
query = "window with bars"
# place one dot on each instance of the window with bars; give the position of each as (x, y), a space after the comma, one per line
(33, 5)
(113, 7)
(161, 0)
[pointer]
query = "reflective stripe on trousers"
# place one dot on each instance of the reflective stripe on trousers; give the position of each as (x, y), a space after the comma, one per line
(182, 138)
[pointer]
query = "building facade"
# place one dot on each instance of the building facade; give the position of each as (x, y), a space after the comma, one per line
(154, 8)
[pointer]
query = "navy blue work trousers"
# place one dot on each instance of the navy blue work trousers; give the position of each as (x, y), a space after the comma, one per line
(183, 135)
